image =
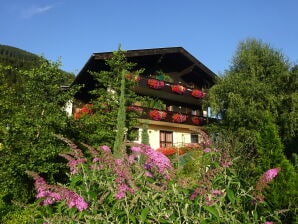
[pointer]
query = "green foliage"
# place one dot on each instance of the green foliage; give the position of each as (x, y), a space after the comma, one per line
(145, 135)
(25, 214)
(121, 117)
(259, 80)
(257, 98)
(100, 128)
(20, 59)
(31, 112)
(222, 198)
(270, 154)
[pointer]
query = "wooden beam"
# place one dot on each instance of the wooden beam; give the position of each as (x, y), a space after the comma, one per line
(186, 70)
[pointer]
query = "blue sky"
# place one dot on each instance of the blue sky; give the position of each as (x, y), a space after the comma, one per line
(71, 30)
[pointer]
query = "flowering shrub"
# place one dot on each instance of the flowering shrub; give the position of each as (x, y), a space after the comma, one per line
(178, 89)
(196, 120)
(167, 151)
(157, 115)
(155, 84)
(263, 182)
(179, 118)
(198, 93)
(142, 186)
(52, 193)
(86, 109)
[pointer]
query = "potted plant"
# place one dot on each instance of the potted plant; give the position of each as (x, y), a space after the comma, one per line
(157, 115)
(198, 93)
(196, 120)
(179, 118)
(178, 89)
(155, 84)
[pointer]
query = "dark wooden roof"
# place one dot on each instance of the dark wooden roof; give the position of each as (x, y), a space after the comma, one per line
(170, 60)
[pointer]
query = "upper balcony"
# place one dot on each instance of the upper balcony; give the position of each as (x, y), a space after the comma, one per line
(174, 61)
(161, 89)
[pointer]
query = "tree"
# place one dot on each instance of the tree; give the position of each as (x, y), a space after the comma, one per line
(257, 99)
(31, 112)
(260, 79)
(112, 95)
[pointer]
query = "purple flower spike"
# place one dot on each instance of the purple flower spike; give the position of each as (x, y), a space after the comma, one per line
(270, 174)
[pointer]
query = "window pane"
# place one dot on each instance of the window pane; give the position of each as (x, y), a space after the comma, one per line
(166, 138)
(194, 138)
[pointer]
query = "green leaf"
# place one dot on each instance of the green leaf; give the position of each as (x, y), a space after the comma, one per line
(231, 195)
(92, 194)
(74, 180)
(212, 210)
(144, 215)
(132, 218)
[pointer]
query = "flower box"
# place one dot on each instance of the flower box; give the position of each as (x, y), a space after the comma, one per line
(179, 118)
(198, 93)
(155, 84)
(157, 115)
(196, 120)
(137, 109)
(178, 89)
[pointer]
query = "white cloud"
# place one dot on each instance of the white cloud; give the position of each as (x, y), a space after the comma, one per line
(35, 10)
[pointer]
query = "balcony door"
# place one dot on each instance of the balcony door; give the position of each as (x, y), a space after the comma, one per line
(165, 139)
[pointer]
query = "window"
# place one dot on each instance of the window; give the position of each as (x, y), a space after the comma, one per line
(166, 138)
(194, 138)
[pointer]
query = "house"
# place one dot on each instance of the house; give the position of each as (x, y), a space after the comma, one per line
(172, 75)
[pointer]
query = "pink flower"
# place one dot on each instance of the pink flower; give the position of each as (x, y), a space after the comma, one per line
(96, 159)
(52, 193)
(268, 222)
(262, 183)
(148, 174)
(118, 162)
(216, 192)
(74, 162)
(226, 163)
(270, 174)
(106, 148)
(131, 158)
(194, 195)
(207, 150)
(155, 161)
(136, 149)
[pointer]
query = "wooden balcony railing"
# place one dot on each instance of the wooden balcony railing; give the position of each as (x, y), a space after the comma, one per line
(168, 87)
(168, 116)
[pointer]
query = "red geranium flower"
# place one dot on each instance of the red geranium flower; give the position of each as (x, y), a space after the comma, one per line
(178, 89)
(198, 93)
(196, 120)
(155, 84)
(157, 115)
(179, 118)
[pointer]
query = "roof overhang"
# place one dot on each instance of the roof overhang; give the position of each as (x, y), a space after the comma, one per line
(170, 60)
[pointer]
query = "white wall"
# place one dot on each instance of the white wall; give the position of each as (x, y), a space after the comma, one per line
(179, 138)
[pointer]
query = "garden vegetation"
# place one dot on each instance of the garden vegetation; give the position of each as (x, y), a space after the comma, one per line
(58, 169)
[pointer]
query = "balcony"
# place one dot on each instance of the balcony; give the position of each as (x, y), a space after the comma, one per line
(172, 117)
(169, 91)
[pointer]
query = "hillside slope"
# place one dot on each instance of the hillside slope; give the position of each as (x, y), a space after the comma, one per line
(22, 59)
